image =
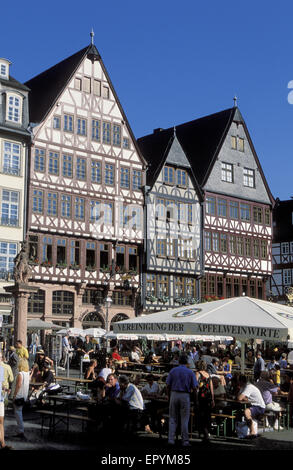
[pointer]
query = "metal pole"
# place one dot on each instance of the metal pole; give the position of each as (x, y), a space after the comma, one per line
(242, 356)
(67, 364)
(80, 371)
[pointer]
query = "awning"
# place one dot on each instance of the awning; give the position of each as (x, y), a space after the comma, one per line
(239, 317)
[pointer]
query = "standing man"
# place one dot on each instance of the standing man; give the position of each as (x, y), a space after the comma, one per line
(66, 349)
(181, 382)
(259, 366)
(21, 351)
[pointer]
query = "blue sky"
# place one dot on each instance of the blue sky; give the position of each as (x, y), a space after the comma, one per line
(171, 62)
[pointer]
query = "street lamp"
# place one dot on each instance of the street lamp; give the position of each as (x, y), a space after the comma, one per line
(108, 303)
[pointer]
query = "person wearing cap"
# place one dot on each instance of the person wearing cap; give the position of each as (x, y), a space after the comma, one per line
(181, 382)
(40, 361)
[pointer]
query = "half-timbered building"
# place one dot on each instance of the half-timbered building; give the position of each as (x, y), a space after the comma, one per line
(173, 249)
(282, 251)
(85, 213)
(238, 203)
(14, 144)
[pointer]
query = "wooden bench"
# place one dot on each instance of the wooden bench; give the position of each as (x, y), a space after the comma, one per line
(62, 417)
(220, 420)
(280, 415)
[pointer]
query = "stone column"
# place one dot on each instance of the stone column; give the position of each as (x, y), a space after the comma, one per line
(21, 293)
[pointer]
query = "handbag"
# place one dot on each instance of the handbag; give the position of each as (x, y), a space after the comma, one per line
(19, 401)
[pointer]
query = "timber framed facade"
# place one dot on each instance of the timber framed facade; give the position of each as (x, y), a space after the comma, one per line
(173, 229)
(282, 251)
(237, 216)
(85, 214)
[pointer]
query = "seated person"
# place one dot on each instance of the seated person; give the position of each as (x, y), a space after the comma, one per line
(36, 375)
(149, 359)
(151, 389)
(134, 355)
(90, 373)
(130, 403)
(107, 368)
(219, 389)
(115, 354)
(47, 376)
(112, 387)
(249, 392)
(227, 368)
(40, 360)
(213, 370)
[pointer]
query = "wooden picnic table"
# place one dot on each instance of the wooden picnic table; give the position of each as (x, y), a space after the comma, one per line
(138, 372)
(75, 380)
(65, 416)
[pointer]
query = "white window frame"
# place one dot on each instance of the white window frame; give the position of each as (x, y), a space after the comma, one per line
(12, 207)
(8, 251)
(11, 158)
(249, 177)
(287, 277)
(14, 111)
(227, 172)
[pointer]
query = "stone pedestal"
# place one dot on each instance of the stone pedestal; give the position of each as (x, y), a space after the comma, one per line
(21, 292)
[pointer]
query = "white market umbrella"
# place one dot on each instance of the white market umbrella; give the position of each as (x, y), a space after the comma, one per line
(243, 318)
(95, 332)
(72, 332)
(112, 335)
(37, 324)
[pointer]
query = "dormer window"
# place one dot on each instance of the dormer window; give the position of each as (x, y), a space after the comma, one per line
(14, 108)
(4, 69)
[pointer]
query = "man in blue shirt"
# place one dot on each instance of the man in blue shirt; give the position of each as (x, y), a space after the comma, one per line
(112, 387)
(180, 382)
(259, 366)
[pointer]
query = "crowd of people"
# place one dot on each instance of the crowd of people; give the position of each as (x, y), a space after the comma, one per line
(192, 377)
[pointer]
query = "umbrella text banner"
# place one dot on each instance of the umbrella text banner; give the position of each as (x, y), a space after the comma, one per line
(203, 329)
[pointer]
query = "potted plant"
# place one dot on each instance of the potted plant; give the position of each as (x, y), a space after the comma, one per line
(90, 268)
(47, 263)
(74, 265)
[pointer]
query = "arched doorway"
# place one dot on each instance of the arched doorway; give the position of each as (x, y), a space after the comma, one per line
(118, 317)
(93, 320)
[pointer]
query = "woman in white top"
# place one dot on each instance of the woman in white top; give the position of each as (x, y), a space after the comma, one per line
(21, 394)
(106, 369)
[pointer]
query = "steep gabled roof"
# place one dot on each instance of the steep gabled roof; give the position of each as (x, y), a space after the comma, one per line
(47, 87)
(201, 141)
(172, 153)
